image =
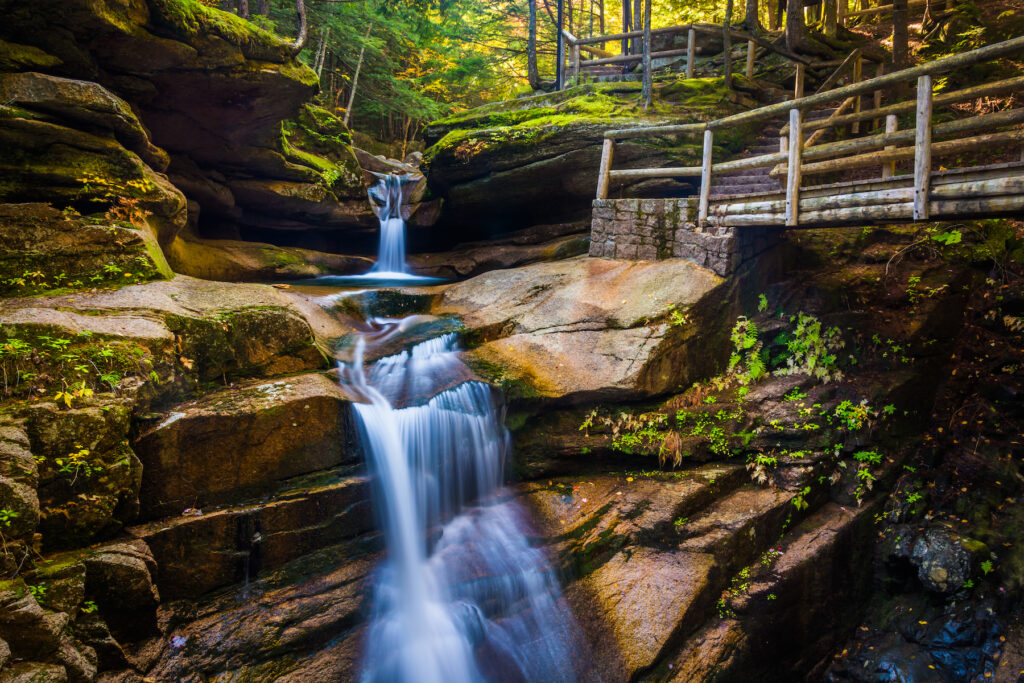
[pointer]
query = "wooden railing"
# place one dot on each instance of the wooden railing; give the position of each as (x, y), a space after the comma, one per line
(569, 70)
(844, 14)
(797, 159)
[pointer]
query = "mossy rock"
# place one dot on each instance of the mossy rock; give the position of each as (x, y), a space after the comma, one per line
(47, 251)
(16, 57)
(46, 162)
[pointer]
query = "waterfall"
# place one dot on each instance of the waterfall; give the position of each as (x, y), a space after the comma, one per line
(387, 199)
(462, 595)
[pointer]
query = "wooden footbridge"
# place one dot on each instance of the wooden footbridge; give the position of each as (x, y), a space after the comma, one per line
(906, 153)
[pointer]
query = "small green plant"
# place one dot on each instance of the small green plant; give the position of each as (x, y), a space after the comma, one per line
(38, 592)
(794, 395)
(812, 350)
(89, 606)
(747, 362)
(7, 516)
(799, 501)
(986, 567)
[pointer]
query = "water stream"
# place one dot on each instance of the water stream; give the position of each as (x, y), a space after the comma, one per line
(388, 198)
(462, 595)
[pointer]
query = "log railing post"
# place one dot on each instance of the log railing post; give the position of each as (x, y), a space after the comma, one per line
(798, 84)
(889, 167)
(858, 76)
(576, 63)
(648, 75)
(705, 180)
(784, 149)
(879, 72)
(604, 175)
(793, 169)
(923, 148)
(690, 40)
(750, 60)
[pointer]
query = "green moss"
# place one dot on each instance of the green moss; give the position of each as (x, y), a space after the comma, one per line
(191, 18)
(16, 57)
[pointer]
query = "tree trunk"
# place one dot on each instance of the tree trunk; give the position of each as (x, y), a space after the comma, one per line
(775, 10)
(832, 18)
(263, 8)
(227, 5)
(355, 76)
(303, 29)
(637, 23)
(900, 34)
(751, 21)
(243, 8)
(796, 30)
(559, 48)
(727, 43)
(321, 53)
(532, 72)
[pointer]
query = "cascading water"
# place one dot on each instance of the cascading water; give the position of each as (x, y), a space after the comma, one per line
(387, 199)
(462, 595)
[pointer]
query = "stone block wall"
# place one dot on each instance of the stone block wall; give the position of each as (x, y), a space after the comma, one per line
(654, 229)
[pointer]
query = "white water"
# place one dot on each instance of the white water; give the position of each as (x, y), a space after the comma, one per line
(462, 595)
(391, 253)
(387, 198)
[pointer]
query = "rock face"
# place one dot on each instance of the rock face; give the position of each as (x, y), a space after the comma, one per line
(106, 101)
(534, 160)
(585, 329)
(242, 442)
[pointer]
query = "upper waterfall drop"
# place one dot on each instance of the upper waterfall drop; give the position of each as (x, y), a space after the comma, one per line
(388, 199)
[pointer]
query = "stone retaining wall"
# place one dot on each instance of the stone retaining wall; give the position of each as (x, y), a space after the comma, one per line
(655, 229)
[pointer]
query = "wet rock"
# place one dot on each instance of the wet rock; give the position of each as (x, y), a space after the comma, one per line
(585, 329)
(198, 552)
(241, 261)
(942, 560)
(92, 631)
(287, 629)
(243, 442)
(120, 577)
(943, 563)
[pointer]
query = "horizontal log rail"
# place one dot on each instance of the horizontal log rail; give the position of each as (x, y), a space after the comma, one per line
(774, 111)
(887, 9)
(803, 151)
(570, 69)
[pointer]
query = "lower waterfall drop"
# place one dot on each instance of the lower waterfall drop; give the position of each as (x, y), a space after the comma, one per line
(462, 595)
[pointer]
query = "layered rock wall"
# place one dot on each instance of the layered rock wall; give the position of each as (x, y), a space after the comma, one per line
(655, 229)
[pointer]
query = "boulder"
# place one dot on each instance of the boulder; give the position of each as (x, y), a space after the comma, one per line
(242, 442)
(243, 261)
(85, 103)
(65, 250)
(586, 329)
